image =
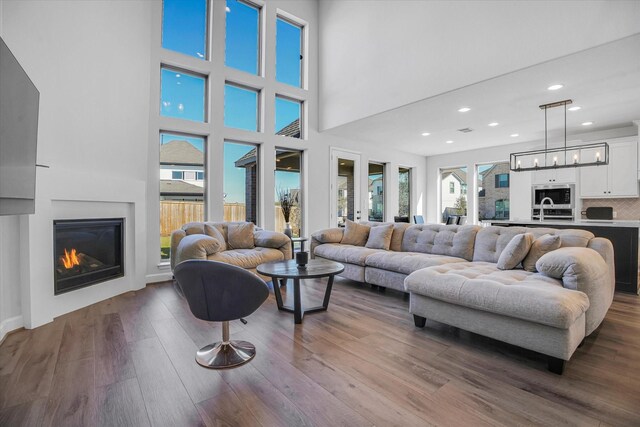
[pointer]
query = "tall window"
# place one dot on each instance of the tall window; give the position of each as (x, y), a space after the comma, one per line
(240, 182)
(453, 194)
(493, 191)
(288, 117)
(182, 95)
(376, 192)
(242, 41)
(240, 107)
(288, 182)
(404, 191)
(288, 52)
(184, 27)
(181, 193)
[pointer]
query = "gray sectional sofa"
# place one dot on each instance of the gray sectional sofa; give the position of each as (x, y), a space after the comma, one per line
(451, 274)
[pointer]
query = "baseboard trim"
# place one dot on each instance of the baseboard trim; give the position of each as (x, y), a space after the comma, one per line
(10, 325)
(160, 277)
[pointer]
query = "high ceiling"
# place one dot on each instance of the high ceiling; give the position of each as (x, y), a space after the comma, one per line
(604, 81)
(390, 70)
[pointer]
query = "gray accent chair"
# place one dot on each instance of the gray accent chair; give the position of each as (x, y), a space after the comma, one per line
(220, 292)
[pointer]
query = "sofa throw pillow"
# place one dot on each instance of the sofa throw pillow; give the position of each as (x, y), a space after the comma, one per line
(213, 231)
(515, 251)
(380, 237)
(241, 235)
(355, 234)
(540, 246)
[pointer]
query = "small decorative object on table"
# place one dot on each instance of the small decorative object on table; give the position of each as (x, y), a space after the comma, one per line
(302, 258)
(287, 201)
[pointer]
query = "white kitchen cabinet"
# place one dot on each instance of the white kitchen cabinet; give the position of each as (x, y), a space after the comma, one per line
(617, 179)
(554, 176)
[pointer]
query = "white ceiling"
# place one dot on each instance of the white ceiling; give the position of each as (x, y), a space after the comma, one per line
(604, 81)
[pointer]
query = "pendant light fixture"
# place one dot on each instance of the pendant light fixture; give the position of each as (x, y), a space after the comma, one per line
(562, 157)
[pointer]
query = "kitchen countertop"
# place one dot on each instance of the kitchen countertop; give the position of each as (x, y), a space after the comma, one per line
(578, 222)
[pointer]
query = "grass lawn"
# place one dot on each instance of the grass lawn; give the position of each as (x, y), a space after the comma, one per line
(165, 246)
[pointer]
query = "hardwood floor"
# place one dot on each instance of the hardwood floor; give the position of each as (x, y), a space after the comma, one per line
(129, 361)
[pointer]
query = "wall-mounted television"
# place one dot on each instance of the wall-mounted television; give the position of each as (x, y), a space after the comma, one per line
(19, 101)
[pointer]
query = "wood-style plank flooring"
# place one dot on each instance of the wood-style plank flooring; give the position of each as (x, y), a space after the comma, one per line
(129, 361)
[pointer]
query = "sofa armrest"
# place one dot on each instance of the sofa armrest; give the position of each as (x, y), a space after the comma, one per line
(584, 270)
(328, 235)
(274, 240)
(176, 237)
(197, 246)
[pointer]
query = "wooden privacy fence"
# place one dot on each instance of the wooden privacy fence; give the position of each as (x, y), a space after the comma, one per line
(174, 214)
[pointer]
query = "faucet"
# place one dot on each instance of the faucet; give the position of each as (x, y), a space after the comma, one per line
(542, 206)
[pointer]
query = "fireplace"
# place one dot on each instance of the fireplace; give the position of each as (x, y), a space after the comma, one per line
(86, 252)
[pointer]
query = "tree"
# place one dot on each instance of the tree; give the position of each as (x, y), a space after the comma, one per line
(461, 205)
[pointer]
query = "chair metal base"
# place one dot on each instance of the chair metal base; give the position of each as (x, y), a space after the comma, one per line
(222, 355)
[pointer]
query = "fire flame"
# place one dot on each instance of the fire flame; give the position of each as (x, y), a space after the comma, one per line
(70, 259)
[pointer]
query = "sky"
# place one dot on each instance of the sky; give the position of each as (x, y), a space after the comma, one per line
(183, 95)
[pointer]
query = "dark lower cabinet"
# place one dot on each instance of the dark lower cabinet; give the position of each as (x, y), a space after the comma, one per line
(625, 250)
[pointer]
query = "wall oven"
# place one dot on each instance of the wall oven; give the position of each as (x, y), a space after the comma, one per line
(561, 195)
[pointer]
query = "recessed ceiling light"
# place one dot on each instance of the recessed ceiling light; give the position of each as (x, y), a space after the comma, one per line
(449, 142)
(425, 134)
(555, 87)
(514, 135)
(494, 124)
(576, 108)
(464, 109)
(587, 123)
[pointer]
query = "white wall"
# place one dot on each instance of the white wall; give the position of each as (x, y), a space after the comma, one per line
(520, 182)
(90, 62)
(384, 54)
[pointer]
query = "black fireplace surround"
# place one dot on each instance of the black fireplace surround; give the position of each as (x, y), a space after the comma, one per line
(86, 252)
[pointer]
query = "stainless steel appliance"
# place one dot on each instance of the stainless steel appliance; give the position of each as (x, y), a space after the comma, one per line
(558, 200)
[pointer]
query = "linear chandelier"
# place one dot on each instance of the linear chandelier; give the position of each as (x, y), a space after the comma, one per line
(595, 154)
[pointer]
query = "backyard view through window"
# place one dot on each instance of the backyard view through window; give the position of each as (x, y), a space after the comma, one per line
(240, 182)
(493, 191)
(287, 189)
(453, 193)
(404, 192)
(288, 117)
(376, 192)
(182, 184)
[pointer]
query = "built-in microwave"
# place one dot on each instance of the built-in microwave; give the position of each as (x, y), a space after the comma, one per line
(559, 203)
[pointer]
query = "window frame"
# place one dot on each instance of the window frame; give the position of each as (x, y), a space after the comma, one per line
(302, 103)
(384, 189)
(205, 118)
(303, 25)
(259, 118)
(260, 72)
(302, 190)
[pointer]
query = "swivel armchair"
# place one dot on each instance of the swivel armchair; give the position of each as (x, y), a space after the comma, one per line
(220, 292)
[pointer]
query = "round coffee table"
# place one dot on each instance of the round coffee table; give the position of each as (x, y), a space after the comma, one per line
(283, 270)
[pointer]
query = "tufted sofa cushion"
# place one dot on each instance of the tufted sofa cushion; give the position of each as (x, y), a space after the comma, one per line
(491, 241)
(345, 253)
(438, 239)
(407, 262)
(514, 293)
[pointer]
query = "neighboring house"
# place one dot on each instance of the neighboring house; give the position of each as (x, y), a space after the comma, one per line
(453, 185)
(376, 198)
(493, 192)
(181, 172)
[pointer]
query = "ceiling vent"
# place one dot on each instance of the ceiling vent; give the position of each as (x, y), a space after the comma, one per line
(465, 130)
